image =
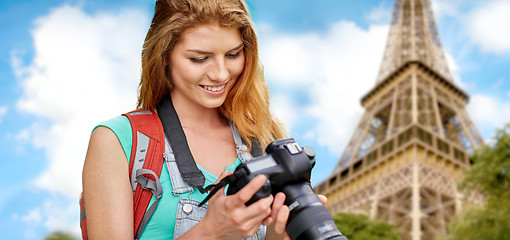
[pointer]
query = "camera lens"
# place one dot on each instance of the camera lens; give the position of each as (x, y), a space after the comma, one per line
(308, 219)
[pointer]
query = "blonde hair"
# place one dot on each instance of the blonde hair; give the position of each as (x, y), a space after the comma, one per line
(247, 103)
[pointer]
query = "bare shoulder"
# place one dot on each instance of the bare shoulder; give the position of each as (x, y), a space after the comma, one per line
(105, 159)
(105, 148)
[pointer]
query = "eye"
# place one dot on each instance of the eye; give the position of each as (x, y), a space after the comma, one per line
(198, 60)
(234, 55)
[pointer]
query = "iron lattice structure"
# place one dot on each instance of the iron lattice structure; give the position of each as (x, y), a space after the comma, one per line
(413, 36)
(414, 139)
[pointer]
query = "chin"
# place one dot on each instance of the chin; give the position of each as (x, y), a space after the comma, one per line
(213, 104)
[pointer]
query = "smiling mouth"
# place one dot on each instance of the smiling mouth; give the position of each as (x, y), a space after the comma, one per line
(214, 88)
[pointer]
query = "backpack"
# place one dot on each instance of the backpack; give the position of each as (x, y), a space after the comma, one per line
(145, 164)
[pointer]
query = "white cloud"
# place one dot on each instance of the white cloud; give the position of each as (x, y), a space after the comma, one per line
(444, 8)
(53, 214)
(379, 15)
(33, 217)
(22, 138)
(85, 70)
(286, 60)
(60, 215)
(23, 135)
(3, 112)
(489, 113)
(284, 107)
(487, 26)
(336, 68)
(454, 70)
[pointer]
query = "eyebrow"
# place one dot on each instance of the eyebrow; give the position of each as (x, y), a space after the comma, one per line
(205, 52)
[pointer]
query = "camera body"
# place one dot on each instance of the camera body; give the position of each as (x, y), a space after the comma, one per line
(284, 163)
(288, 167)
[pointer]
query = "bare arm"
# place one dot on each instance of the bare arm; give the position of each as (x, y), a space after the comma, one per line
(106, 189)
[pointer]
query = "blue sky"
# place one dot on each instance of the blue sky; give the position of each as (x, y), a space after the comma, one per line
(66, 65)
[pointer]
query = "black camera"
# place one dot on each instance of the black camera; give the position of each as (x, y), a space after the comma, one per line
(288, 167)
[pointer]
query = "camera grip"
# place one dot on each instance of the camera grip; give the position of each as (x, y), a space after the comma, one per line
(263, 192)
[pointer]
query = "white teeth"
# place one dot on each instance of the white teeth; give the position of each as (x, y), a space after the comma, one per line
(214, 89)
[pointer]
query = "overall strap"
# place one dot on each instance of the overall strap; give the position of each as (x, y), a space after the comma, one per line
(241, 148)
(179, 186)
(145, 165)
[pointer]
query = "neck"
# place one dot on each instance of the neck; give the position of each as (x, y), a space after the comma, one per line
(195, 116)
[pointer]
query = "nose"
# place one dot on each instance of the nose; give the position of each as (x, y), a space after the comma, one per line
(219, 72)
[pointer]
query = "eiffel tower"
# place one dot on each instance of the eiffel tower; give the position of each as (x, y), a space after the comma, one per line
(405, 157)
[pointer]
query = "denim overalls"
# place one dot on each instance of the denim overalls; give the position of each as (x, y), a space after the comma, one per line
(188, 211)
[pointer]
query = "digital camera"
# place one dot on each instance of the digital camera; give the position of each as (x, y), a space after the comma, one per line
(288, 167)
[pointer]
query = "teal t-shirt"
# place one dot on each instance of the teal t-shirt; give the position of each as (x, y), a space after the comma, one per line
(162, 223)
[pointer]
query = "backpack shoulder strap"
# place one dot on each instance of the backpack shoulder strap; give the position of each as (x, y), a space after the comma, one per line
(145, 164)
(83, 219)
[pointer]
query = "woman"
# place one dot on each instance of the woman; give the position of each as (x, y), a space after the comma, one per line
(204, 55)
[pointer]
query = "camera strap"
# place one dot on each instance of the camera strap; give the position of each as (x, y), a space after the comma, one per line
(183, 157)
(224, 182)
(177, 139)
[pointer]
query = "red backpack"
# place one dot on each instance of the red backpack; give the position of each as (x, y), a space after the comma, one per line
(145, 166)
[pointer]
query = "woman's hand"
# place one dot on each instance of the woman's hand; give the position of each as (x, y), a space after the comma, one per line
(279, 216)
(228, 217)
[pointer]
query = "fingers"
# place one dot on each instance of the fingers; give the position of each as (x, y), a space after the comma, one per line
(247, 192)
(280, 213)
(281, 220)
(278, 202)
(249, 218)
(323, 199)
(238, 219)
(260, 210)
(267, 221)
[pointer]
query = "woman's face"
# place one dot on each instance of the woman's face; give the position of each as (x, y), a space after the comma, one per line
(205, 64)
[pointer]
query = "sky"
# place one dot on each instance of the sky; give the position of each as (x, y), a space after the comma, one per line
(67, 65)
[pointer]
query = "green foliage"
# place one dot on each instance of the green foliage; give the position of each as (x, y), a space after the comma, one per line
(475, 222)
(490, 176)
(490, 172)
(59, 235)
(361, 227)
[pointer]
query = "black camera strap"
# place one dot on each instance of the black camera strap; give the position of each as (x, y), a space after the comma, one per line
(183, 157)
(256, 149)
(224, 182)
(177, 139)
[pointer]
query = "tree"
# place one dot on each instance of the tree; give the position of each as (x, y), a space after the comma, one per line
(489, 175)
(361, 227)
(60, 235)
